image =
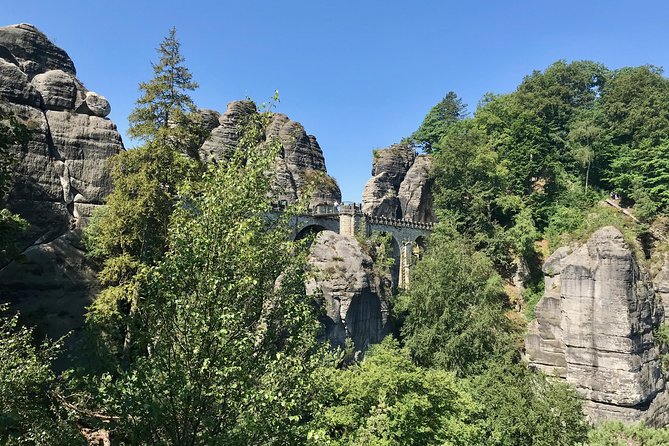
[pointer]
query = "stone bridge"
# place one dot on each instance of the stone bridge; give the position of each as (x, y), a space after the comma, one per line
(408, 237)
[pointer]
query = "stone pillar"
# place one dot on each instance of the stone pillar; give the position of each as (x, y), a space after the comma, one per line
(349, 223)
(406, 260)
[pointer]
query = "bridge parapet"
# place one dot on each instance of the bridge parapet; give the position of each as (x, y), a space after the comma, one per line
(398, 223)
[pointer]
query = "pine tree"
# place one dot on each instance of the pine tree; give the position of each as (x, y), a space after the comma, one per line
(165, 113)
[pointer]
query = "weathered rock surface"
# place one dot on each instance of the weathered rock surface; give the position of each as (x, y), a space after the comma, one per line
(59, 178)
(57, 88)
(400, 185)
(595, 325)
(299, 164)
(354, 295)
(33, 50)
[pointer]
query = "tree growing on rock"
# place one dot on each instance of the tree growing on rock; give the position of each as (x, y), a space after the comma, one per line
(437, 122)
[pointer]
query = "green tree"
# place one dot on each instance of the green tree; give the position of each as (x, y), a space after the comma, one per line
(12, 133)
(129, 234)
(229, 331)
(30, 412)
(454, 311)
(165, 112)
(438, 120)
(387, 400)
(618, 434)
(583, 138)
(524, 408)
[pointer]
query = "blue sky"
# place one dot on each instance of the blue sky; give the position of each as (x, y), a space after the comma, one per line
(359, 75)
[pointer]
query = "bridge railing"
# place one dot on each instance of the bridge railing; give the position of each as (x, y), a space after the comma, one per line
(350, 208)
(375, 220)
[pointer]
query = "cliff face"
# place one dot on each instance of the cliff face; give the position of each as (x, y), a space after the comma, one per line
(58, 180)
(356, 298)
(300, 165)
(400, 185)
(594, 328)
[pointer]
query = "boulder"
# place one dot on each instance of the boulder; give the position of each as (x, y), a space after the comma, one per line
(356, 298)
(94, 105)
(224, 138)
(58, 180)
(57, 88)
(300, 165)
(15, 87)
(594, 327)
(415, 191)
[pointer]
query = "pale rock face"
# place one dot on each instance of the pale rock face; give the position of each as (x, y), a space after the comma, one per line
(355, 297)
(15, 86)
(595, 325)
(59, 179)
(400, 186)
(300, 155)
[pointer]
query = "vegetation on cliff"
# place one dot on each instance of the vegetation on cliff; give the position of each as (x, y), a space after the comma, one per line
(207, 335)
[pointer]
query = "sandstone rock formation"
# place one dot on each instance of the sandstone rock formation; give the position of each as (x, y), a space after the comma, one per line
(356, 298)
(400, 185)
(594, 328)
(58, 180)
(300, 165)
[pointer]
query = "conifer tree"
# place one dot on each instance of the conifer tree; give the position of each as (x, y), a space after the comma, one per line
(129, 235)
(165, 113)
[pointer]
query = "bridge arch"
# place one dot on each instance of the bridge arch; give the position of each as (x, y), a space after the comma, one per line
(395, 252)
(419, 247)
(310, 230)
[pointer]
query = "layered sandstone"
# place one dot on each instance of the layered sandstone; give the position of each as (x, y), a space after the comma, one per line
(594, 328)
(59, 178)
(400, 186)
(355, 296)
(300, 165)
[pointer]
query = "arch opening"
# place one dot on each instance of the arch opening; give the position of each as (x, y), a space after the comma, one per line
(309, 232)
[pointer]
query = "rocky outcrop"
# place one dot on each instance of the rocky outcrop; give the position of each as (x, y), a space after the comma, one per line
(300, 165)
(594, 328)
(400, 185)
(59, 178)
(356, 298)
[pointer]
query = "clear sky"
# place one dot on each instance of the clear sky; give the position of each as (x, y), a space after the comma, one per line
(358, 75)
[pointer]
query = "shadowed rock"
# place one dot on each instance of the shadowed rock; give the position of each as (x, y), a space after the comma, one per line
(356, 298)
(59, 178)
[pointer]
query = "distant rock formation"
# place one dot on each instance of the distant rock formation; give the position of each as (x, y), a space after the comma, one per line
(594, 328)
(300, 166)
(355, 296)
(400, 186)
(60, 177)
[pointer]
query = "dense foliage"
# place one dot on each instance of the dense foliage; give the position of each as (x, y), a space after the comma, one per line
(30, 411)
(454, 310)
(204, 325)
(129, 234)
(12, 133)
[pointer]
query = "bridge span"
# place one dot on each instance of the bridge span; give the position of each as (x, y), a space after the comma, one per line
(409, 237)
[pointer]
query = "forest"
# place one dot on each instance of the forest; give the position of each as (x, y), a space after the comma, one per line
(203, 333)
